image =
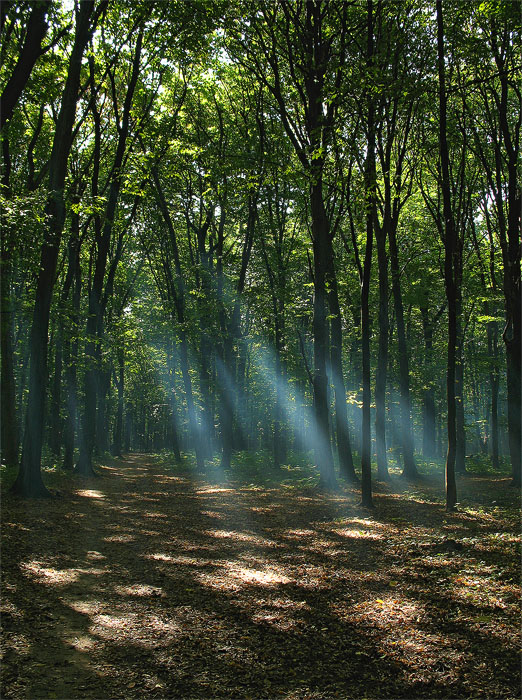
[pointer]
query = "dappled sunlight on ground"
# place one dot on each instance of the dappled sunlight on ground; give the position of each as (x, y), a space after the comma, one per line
(254, 592)
(90, 493)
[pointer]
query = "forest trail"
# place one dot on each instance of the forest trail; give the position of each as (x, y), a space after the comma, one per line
(153, 582)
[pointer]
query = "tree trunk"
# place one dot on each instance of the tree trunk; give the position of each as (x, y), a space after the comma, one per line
(344, 448)
(173, 424)
(320, 234)
(428, 403)
(9, 416)
(29, 480)
(382, 359)
(94, 381)
(493, 383)
(71, 361)
(55, 436)
(370, 185)
(460, 450)
(406, 433)
(31, 51)
(450, 257)
(118, 430)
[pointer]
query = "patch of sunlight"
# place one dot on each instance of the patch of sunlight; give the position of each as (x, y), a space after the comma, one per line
(234, 577)
(292, 534)
(213, 514)
(481, 590)
(17, 526)
(357, 534)
(265, 510)
(368, 522)
(56, 577)
(267, 577)
(282, 603)
(84, 607)
(154, 514)
(139, 589)
(240, 537)
(82, 643)
(181, 560)
(93, 554)
(119, 538)
(146, 630)
(161, 557)
(213, 489)
(380, 612)
(89, 493)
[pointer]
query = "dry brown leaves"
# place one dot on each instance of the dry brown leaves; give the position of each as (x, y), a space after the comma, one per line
(147, 583)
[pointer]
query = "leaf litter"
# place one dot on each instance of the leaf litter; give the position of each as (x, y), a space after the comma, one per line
(147, 582)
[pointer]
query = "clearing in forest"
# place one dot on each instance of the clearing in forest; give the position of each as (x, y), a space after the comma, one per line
(153, 582)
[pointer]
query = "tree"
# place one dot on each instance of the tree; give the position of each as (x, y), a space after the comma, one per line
(29, 481)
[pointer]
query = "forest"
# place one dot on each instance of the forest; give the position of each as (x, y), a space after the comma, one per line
(260, 348)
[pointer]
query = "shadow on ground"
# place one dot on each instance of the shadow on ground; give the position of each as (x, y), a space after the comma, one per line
(147, 582)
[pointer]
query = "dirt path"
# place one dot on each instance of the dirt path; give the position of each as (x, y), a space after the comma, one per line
(149, 583)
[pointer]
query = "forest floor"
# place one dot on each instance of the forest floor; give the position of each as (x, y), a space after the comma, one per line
(155, 582)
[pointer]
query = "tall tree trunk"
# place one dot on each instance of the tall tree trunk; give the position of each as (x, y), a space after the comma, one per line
(406, 433)
(320, 233)
(102, 429)
(71, 355)
(382, 358)
(29, 480)
(370, 177)
(173, 437)
(460, 427)
(118, 428)
(493, 383)
(428, 402)
(177, 293)
(344, 447)
(9, 416)
(55, 436)
(450, 259)
(93, 387)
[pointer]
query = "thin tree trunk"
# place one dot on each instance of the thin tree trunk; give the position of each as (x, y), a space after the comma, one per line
(428, 403)
(450, 248)
(71, 356)
(382, 358)
(177, 293)
(94, 381)
(9, 416)
(344, 447)
(406, 433)
(460, 450)
(494, 383)
(370, 185)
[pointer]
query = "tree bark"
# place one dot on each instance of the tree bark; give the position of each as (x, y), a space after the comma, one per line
(344, 448)
(370, 177)
(93, 386)
(320, 233)
(450, 250)
(29, 480)
(30, 53)
(428, 402)
(9, 416)
(382, 358)
(406, 433)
